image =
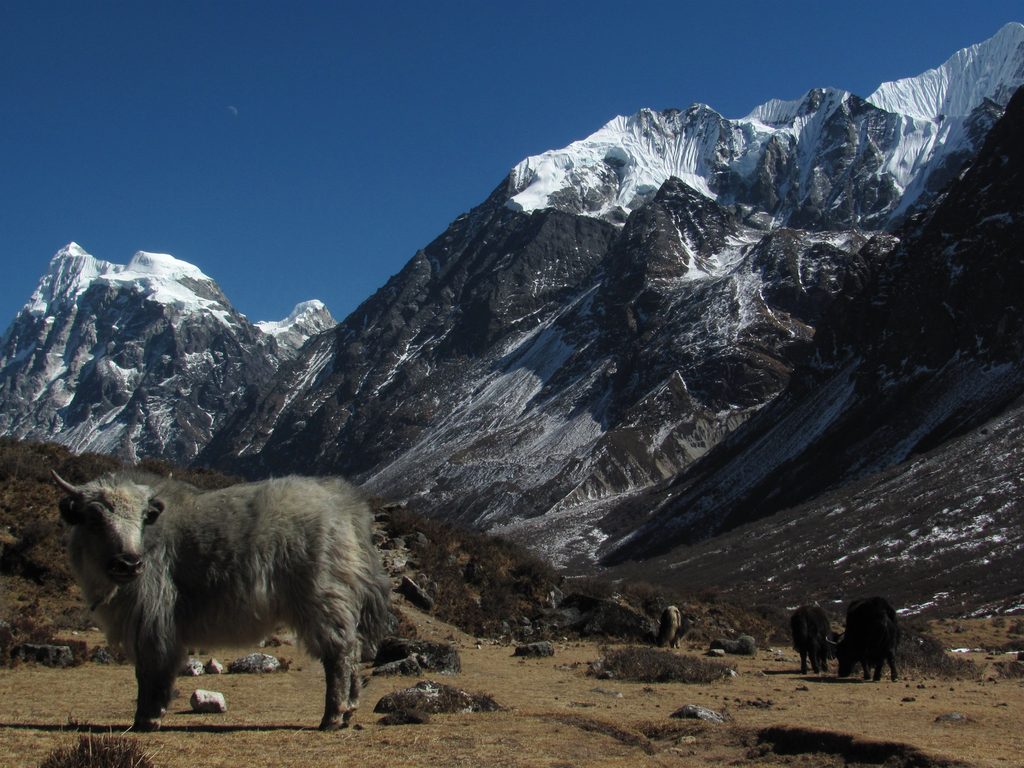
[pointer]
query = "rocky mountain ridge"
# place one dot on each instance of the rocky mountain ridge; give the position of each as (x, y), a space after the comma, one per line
(562, 347)
(142, 359)
(929, 351)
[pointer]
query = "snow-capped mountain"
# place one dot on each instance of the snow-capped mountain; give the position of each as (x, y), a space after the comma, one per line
(142, 359)
(827, 160)
(930, 351)
(307, 319)
(615, 309)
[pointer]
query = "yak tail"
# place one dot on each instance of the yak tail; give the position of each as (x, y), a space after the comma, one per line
(376, 619)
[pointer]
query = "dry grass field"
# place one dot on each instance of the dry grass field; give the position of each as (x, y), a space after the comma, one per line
(555, 714)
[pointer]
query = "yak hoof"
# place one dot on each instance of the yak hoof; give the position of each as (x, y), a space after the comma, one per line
(335, 722)
(146, 724)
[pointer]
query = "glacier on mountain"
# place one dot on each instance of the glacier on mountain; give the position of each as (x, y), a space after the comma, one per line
(618, 168)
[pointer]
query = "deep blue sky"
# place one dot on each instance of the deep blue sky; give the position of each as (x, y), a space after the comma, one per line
(297, 150)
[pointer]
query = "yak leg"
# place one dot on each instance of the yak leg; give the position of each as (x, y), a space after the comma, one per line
(342, 695)
(822, 660)
(156, 685)
(891, 658)
(803, 662)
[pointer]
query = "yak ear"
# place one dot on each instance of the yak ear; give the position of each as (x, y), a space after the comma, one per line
(71, 505)
(153, 511)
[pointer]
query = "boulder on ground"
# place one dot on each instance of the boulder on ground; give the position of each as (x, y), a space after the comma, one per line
(604, 617)
(254, 663)
(415, 594)
(403, 654)
(744, 645)
(192, 667)
(535, 650)
(208, 701)
(46, 654)
(695, 712)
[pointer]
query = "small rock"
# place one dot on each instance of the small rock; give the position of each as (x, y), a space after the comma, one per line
(213, 667)
(254, 663)
(716, 652)
(908, 699)
(535, 650)
(694, 712)
(952, 717)
(409, 666)
(208, 701)
(415, 594)
(47, 655)
(415, 656)
(102, 655)
(193, 667)
(607, 692)
(744, 645)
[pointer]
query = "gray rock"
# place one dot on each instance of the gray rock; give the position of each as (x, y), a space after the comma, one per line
(254, 663)
(213, 667)
(418, 655)
(47, 655)
(208, 701)
(535, 650)
(102, 655)
(694, 712)
(409, 666)
(193, 667)
(604, 617)
(952, 717)
(415, 594)
(744, 645)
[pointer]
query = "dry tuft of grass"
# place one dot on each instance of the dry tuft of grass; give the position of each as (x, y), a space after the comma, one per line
(649, 665)
(99, 752)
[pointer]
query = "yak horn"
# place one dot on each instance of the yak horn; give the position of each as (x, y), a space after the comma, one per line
(72, 490)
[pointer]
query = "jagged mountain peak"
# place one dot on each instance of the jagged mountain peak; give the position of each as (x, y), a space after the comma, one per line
(160, 277)
(780, 113)
(795, 161)
(139, 359)
(962, 82)
(307, 319)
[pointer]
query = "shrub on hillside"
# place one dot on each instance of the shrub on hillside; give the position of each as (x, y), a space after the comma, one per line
(480, 583)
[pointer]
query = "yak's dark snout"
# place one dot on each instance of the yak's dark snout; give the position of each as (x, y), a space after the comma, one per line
(124, 568)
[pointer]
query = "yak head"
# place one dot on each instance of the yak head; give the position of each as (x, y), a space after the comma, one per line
(107, 517)
(845, 654)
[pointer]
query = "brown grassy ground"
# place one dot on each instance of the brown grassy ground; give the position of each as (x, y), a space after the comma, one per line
(556, 715)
